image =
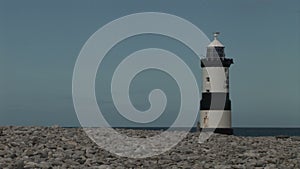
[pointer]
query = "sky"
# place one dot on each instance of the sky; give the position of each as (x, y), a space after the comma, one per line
(41, 40)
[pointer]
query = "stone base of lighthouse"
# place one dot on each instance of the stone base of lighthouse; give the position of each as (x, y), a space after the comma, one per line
(217, 121)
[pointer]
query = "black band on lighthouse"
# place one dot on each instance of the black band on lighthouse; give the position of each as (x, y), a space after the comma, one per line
(220, 101)
(228, 131)
(216, 62)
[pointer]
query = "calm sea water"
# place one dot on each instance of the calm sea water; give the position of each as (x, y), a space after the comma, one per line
(266, 131)
(254, 132)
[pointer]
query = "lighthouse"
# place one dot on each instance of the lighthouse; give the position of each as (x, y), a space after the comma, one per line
(215, 106)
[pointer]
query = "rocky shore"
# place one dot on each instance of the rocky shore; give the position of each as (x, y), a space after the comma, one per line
(55, 147)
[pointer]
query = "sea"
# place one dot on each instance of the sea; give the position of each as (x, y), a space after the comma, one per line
(266, 131)
(251, 132)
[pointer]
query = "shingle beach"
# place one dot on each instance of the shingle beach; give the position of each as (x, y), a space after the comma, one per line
(56, 147)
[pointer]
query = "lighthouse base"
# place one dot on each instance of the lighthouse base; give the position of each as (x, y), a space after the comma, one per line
(228, 131)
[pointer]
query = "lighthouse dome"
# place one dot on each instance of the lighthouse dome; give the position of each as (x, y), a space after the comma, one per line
(216, 42)
(215, 49)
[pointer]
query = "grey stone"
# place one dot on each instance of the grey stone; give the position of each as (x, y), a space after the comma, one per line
(19, 164)
(2, 153)
(259, 164)
(282, 137)
(44, 165)
(295, 138)
(43, 154)
(31, 165)
(71, 162)
(104, 167)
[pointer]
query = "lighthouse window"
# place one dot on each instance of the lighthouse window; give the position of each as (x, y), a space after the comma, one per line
(207, 90)
(207, 79)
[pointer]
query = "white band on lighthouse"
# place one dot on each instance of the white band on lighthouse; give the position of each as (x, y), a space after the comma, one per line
(215, 81)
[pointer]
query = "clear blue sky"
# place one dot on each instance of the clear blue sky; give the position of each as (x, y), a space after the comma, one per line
(40, 41)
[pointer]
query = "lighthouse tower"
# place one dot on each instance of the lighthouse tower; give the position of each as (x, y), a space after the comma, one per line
(215, 106)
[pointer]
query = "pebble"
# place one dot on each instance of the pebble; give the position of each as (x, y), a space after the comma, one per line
(19, 164)
(282, 137)
(56, 147)
(296, 138)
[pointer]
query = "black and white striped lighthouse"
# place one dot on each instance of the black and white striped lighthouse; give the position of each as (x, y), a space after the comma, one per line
(215, 106)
